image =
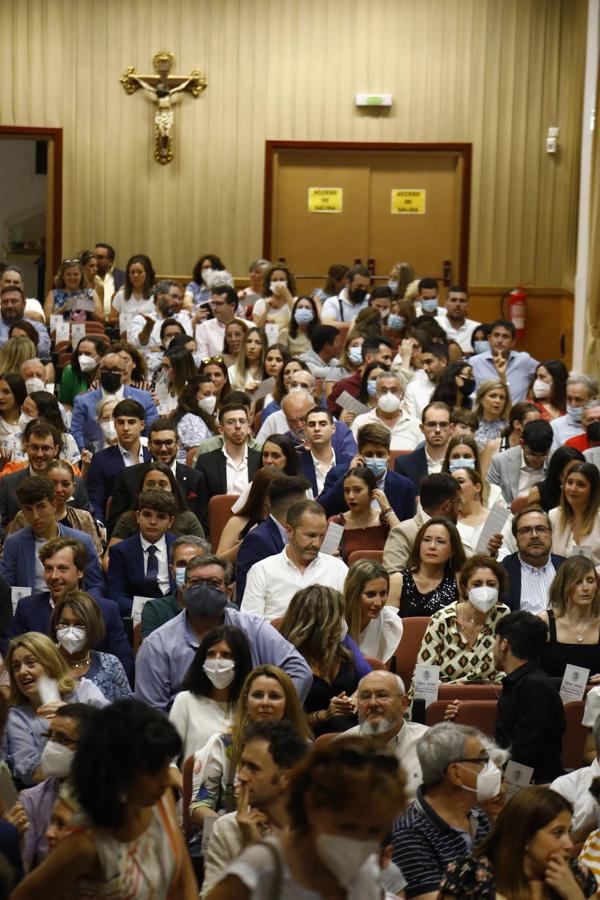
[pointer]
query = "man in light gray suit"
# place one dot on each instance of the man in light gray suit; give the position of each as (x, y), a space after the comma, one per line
(518, 469)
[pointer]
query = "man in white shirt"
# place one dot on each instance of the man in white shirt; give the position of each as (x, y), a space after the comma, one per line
(144, 330)
(575, 787)
(455, 322)
(210, 335)
(302, 384)
(272, 582)
(419, 391)
(349, 302)
(381, 703)
(581, 389)
(532, 569)
(107, 274)
(229, 469)
(405, 429)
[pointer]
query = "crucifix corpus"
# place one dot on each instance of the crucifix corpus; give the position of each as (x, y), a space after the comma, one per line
(163, 89)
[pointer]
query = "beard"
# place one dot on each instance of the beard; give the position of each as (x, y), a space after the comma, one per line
(374, 727)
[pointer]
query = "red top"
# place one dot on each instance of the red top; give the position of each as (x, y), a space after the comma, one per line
(580, 442)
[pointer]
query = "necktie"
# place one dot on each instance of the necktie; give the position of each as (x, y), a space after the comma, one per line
(152, 570)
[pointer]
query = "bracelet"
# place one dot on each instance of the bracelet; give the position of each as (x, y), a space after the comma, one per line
(387, 511)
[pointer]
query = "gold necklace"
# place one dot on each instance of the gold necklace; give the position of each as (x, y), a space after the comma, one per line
(82, 663)
(578, 634)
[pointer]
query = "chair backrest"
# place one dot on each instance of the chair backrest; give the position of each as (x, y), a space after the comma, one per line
(256, 423)
(574, 736)
(276, 622)
(326, 738)
(448, 692)
(137, 637)
(480, 714)
(394, 454)
(375, 663)
(408, 649)
(377, 555)
(186, 795)
(219, 512)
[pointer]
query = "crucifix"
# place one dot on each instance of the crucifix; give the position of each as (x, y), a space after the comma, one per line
(163, 89)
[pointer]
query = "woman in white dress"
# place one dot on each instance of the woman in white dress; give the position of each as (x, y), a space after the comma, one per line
(375, 627)
(135, 297)
(473, 513)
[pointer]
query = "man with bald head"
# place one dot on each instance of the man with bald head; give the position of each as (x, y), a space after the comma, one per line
(381, 704)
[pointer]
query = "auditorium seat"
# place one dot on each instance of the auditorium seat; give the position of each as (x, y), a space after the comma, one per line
(186, 796)
(408, 649)
(448, 692)
(219, 513)
(376, 555)
(480, 714)
(574, 736)
(394, 454)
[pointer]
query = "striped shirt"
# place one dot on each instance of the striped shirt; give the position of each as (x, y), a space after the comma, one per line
(535, 584)
(590, 855)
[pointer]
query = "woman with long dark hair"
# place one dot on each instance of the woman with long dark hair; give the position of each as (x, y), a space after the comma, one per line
(547, 493)
(549, 388)
(193, 416)
(429, 581)
(455, 386)
(296, 335)
(135, 297)
(79, 374)
(197, 291)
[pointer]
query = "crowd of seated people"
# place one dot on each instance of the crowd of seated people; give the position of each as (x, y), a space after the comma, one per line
(234, 520)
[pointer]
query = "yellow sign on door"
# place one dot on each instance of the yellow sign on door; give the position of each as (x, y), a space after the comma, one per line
(325, 199)
(408, 200)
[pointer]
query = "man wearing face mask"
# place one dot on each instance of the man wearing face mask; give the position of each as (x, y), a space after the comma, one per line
(165, 655)
(427, 459)
(144, 330)
(84, 426)
(590, 420)
(581, 390)
(376, 349)
(455, 323)
(162, 609)
(427, 302)
(405, 429)
(531, 718)
(64, 731)
(34, 374)
(445, 821)
(373, 452)
(349, 302)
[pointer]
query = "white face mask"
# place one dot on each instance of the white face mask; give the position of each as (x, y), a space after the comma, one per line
(108, 430)
(273, 283)
(72, 637)
(23, 421)
(483, 598)
(87, 363)
(389, 403)
(344, 856)
(208, 404)
(541, 389)
(34, 384)
(220, 672)
(206, 275)
(489, 782)
(56, 760)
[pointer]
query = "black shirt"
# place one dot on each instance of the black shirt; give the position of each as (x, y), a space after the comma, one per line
(531, 721)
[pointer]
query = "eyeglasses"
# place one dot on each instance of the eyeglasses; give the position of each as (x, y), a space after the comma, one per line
(211, 359)
(112, 371)
(71, 262)
(158, 443)
(483, 759)
(526, 530)
(216, 583)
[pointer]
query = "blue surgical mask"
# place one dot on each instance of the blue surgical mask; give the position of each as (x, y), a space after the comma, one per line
(463, 462)
(429, 305)
(396, 322)
(574, 414)
(303, 316)
(377, 466)
(371, 388)
(355, 355)
(393, 284)
(481, 346)
(179, 576)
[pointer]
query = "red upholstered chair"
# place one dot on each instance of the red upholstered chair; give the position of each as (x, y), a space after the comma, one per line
(377, 555)
(481, 714)
(408, 648)
(219, 512)
(574, 736)
(394, 454)
(186, 795)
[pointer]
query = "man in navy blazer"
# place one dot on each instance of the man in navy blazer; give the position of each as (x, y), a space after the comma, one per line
(140, 565)
(533, 568)
(327, 443)
(20, 563)
(374, 452)
(270, 537)
(84, 423)
(64, 560)
(435, 425)
(106, 465)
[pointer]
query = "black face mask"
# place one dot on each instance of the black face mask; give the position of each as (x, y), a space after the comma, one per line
(110, 381)
(204, 602)
(593, 432)
(468, 386)
(358, 295)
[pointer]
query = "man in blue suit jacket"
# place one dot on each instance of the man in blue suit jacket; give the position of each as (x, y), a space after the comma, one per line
(140, 565)
(373, 451)
(270, 537)
(534, 562)
(106, 465)
(84, 423)
(20, 563)
(328, 443)
(64, 561)
(435, 425)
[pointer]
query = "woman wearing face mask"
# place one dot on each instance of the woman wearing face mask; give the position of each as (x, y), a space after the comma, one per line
(296, 335)
(463, 453)
(576, 520)
(43, 405)
(480, 339)
(365, 528)
(549, 389)
(375, 627)
(527, 856)
(169, 329)
(368, 386)
(573, 620)
(12, 397)
(342, 800)
(492, 406)
(215, 368)
(40, 682)
(267, 693)
(351, 355)
(79, 375)
(235, 336)
(211, 687)
(249, 369)
(77, 626)
(547, 493)
(197, 291)
(193, 417)
(275, 306)
(315, 624)
(455, 386)
(135, 297)
(254, 510)
(429, 581)
(399, 322)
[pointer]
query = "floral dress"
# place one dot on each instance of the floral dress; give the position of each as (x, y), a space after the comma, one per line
(474, 879)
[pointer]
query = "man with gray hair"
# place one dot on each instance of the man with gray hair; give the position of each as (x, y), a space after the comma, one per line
(581, 389)
(162, 609)
(575, 787)
(445, 822)
(381, 703)
(294, 405)
(406, 430)
(590, 422)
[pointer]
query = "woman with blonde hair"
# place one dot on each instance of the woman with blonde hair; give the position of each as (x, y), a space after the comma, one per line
(576, 520)
(267, 693)
(315, 624)
(14, 353)
(70, 288)
(474, 510)
(40, 682)
(249, 368)
(573, 620)
(375, 627)
(492, 405)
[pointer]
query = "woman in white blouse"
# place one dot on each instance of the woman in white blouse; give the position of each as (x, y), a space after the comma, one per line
(211, 687)
(576, 520)
(135, 297)
(473, 513)
(375, 627)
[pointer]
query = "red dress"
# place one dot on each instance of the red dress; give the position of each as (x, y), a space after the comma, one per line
(372, 538)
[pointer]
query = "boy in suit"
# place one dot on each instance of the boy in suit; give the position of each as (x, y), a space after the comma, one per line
(139, 566)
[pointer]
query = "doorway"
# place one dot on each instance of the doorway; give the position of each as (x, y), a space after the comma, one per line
(378, 203)
(31, 207)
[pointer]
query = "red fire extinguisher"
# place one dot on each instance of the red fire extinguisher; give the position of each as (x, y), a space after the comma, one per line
(517, 309)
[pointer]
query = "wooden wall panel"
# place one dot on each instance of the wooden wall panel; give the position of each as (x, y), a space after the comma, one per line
(495, 73)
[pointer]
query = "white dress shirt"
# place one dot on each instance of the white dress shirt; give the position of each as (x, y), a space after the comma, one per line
(237, 473)
(129, 459)
(417, 396)
(528, 477)
(406, 433)
(163, 580)
(272, 582)
(404, 746)
(535, 584)
(118, 395)
(210, 338)
(433, 467)
(462, 335)
(321, 469)
(575, 787)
